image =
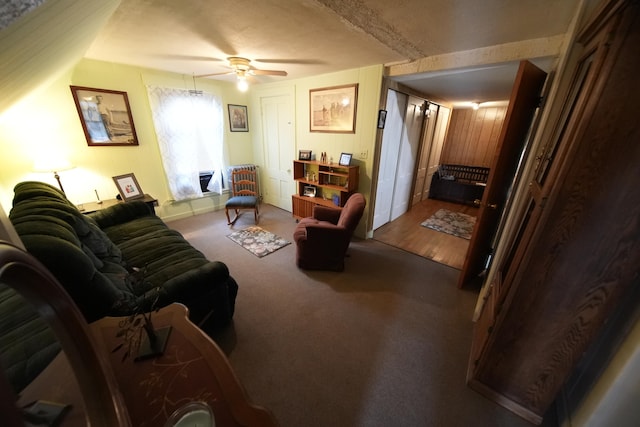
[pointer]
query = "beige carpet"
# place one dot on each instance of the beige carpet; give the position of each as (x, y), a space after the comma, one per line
(384, 343)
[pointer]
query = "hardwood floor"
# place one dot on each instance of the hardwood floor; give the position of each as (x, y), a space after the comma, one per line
(407, 234)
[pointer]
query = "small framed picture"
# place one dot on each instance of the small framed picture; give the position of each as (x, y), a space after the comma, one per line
(304, 155)
(345, 159)
(382, 117)
(238, 119)
(128, 187)
(310, 191)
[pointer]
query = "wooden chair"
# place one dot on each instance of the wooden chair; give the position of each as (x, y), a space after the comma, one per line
(244, 194)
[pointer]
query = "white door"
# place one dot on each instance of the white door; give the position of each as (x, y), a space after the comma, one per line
(279, 150)
(392, 133)
(409, 144)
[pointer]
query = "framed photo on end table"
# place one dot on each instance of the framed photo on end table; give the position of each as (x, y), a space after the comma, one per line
(128, 187)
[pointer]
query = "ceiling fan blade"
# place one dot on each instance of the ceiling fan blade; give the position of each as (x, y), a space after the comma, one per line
(268, 72)
(292, 61)
(188, 57)
(214, 74)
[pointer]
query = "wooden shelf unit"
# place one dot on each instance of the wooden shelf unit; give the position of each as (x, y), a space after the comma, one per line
(329, 179)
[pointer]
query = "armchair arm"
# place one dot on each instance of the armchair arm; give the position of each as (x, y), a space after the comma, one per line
(323, 213)
(121, 213)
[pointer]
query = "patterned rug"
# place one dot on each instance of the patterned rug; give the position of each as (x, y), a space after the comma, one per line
(457, 224)
(258, 241)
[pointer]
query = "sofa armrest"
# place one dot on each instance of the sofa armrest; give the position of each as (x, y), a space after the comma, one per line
(323, 213)
(208, 291)
(196, 281)
(121, 213)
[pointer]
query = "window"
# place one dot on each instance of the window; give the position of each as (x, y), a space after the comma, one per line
(190, 133)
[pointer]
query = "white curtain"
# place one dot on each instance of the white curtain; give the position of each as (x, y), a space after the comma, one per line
(190, 133)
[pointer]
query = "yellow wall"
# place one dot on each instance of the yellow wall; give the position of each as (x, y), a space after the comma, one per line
(47, 120)
(369, 80)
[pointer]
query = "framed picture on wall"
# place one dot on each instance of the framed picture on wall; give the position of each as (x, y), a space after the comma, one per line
(105, 116)
(238, 119)
(128, 187)
(382, 118)
(333, 109)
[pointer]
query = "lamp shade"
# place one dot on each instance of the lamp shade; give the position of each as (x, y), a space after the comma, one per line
(51, 163)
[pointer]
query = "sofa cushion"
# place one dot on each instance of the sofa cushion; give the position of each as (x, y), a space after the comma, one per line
(27, 343)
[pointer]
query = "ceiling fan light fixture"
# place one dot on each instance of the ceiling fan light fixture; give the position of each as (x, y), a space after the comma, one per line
(243, 85)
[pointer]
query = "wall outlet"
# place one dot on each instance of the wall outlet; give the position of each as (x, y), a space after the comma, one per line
(364, 154)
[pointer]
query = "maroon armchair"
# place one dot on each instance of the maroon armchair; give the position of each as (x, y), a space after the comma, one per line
(323, 239)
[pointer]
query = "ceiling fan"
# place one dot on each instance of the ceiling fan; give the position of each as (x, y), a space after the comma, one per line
(242, 68)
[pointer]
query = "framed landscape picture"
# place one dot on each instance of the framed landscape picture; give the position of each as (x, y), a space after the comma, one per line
(105, 116)
(333, 109)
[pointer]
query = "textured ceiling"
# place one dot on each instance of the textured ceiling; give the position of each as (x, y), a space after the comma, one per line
(311, 37)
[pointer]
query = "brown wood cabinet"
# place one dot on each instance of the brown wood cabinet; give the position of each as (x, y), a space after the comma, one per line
(575, 257)
(330, 183)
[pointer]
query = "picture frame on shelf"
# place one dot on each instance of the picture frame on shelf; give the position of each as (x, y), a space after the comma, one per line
(333, 109)
(105, 116)
(128, 187)
(304, 154)
(382, 118)
(310, 191)
(238, 118)
(345, 159)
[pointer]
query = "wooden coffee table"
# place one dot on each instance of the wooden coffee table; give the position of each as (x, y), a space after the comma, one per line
(192, 368)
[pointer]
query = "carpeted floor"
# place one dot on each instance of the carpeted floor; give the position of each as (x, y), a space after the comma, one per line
(384, 343)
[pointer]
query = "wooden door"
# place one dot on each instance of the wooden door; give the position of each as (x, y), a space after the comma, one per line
(523, 104)
(575, 258)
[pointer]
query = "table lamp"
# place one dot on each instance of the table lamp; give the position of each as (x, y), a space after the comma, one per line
(53, 164)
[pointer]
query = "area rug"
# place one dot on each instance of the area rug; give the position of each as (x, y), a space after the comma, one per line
(258, 241)
(454, 223)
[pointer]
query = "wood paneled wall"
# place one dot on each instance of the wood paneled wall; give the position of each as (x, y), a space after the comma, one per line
(472, 136)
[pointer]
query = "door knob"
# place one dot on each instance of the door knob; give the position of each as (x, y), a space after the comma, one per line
(478, 202)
